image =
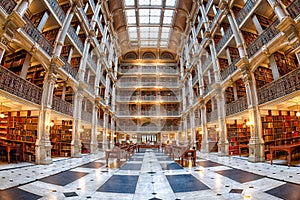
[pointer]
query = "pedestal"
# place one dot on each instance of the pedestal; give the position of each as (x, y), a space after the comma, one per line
(256, 150)
(43, 152)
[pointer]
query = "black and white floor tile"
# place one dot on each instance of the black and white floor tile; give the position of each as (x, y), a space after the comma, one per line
(150, 175)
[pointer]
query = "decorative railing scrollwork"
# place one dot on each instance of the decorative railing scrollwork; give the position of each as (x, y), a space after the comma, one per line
(8, 5)
(237, 106)
(268, 35)
(57, 10)
(229, 70)
(224, 39)
(37, 36)
(285, 85)
(13, 84)
(245, 11)
(294, 9)
(62, 106)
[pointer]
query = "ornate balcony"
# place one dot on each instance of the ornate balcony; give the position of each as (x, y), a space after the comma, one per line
(229, 70)
(207, 89)
(57, 10)
(264, 38)
(75, 38)
(294, 9)
(15, 85)
(224, 39)
(37, 36)
(62, 106)
(242, 15)
(285, 85)
(8, 5)
(237, 106)
(69, 68)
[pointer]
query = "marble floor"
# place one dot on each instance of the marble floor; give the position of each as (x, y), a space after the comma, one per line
(150, 175)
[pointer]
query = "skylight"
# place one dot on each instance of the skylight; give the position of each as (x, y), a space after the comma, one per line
(149, 21)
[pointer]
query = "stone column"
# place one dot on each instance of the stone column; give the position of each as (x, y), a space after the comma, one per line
(193, 132)
(63, 31)
(236, 34)
(204, 142)
(43, 145)
(112, 132)
(223, 145)
(76, 143)
(256, 143)
(94, 143)
(83, 61)
(105, 124)
(22, 7)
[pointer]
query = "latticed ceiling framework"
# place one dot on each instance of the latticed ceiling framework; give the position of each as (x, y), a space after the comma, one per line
(155, 24)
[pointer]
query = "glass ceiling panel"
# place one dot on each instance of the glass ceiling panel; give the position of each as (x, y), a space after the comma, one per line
(150, 26)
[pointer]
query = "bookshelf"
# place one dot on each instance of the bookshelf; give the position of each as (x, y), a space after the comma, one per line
(238, 137)
(50, 35)
(241, 89)
(223, 63)
(20, 128)
(14, 62)
(234, 53)
(263, 75)
(248, 37)
(36, 75)
(264, 22)
(36, 18)
(61, 137)
(229, 95)
(279, 129)
(285, 64)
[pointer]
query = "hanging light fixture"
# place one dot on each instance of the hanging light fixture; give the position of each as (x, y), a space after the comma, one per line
(2, 114)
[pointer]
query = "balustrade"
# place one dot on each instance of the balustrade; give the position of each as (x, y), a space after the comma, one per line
(8, 5)
(294, 9)
(242, 15)
(69, 68)
(207, 89)
(237, 106)
(268, 35)
(75, 38)
(62, 106)
(13, 84)
(57, 10)
(37, 36)
(224, 39)
(285, 85)
(229, 70)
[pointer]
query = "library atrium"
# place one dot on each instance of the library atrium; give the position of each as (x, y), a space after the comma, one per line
(150, 99)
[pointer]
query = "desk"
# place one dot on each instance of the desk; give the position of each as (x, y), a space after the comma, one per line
(243, 146)
(289, 148)
(8, 148)
(148, 146)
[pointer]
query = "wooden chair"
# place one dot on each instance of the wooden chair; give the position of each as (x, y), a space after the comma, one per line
(16, 153)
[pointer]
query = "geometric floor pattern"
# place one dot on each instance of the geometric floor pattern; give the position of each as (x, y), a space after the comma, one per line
(151, 175)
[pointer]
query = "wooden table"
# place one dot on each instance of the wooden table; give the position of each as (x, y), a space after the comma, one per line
(289, 148)
(8, 148)
(148, 146)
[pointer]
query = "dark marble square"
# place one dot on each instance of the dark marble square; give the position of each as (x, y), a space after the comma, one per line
(63, 178)
(93, 165)
(239, 175)
(237, 191)
(120, 184)
(170, 166)
(160, 154)
(288, 191)
(136, 159)
(185, 183)
(70, 194)
(131, 166)
(16, 193)
(208, 164)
